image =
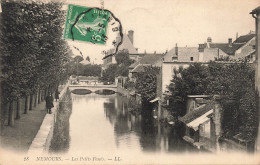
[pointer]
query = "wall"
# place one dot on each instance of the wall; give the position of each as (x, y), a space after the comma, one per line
(167, 72)
(41, 142)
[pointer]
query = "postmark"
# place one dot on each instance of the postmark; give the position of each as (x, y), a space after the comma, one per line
(86, 24)
(94, 25)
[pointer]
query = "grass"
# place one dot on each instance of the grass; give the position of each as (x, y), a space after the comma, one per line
(20, 136)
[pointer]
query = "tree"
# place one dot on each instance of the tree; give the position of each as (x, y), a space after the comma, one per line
(189, 81)
(34, 55)
(122, 57)
(233, 81)
(146, 83)
(78, 59)
(109, 74)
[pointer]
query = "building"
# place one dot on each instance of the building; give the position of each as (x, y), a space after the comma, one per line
(202, 122)
(128, 45)
(154, 60)
(241, 48)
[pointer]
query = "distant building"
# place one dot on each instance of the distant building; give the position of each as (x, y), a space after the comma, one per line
(241, 48)
(85, 62)
(127, 44)
(154, 60)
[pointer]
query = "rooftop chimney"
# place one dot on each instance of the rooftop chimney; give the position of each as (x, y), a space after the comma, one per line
(230, 42)
(154, 52)
(176, 50)
(131, 36)
(201, 47)
(209, 39)
(237, 35)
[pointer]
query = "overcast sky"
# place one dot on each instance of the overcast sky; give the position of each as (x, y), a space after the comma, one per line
(159, 24)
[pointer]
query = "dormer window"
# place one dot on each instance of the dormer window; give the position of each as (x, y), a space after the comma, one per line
(174, 58)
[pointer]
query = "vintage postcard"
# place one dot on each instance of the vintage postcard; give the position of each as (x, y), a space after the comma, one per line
(129, 82)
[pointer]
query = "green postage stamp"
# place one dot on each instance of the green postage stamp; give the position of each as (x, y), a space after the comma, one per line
(86, 24)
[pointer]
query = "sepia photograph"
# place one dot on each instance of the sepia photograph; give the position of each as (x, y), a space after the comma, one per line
(130, 82)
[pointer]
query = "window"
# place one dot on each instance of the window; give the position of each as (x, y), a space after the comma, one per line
(191, 58)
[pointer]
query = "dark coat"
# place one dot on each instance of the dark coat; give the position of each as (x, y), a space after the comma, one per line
(57, 94)
(49, 102)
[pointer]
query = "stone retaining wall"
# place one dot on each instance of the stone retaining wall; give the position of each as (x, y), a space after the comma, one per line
(42, 140)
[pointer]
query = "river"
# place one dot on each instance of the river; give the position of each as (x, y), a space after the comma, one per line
(97, 123)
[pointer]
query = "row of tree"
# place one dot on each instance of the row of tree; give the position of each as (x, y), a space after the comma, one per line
(35, 58)
(84, 70)
(234, 82)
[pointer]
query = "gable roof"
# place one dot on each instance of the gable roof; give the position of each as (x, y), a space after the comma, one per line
(230, 50)
(127, 45)
(244, 38)
(184, 54)
(197, 112)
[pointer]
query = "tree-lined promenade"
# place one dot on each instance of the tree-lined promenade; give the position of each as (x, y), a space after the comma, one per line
(35, 58)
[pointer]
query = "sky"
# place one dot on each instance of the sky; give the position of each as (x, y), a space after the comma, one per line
(159, 24)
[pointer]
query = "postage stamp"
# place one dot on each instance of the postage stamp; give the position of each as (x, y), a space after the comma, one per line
(86, 24)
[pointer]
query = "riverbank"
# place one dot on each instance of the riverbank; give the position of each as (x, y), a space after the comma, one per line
(19, 137)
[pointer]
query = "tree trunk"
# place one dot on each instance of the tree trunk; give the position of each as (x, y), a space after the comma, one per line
(18, 109)
(26, 106)
(31, 102)
(39, 96)
(4, 111)
(11, 114)
(35, 99)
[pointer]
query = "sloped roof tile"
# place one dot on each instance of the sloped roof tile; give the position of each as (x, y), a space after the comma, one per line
(244, 38)
(127, 45)
(197, 112)
(230, 50)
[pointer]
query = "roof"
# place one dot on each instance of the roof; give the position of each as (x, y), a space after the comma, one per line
(255, 11)
(127, 45)
(87, 78)
(140, 55)
(133, 65)
(200, 101)
(151, 59)
(197, 112)
(230, 50)
(85, 62)
(244, 38)
(184, 54)
(140, 68)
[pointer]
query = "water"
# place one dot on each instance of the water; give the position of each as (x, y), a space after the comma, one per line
(98, 123)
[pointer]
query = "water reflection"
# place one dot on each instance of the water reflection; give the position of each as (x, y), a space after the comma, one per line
(103, 123)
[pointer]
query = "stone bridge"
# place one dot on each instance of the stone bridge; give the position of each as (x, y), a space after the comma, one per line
(94, 88)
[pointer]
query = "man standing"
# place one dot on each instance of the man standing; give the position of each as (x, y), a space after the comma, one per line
(49, 102)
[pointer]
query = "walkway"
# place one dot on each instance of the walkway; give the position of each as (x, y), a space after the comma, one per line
(20, 136)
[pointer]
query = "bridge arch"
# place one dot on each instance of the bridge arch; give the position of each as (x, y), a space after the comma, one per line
(93, 88)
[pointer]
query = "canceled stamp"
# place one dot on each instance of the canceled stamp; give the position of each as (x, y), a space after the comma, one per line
(86, 24)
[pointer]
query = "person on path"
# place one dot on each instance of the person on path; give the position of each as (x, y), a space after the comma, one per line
(49, 103)
(57, 94)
